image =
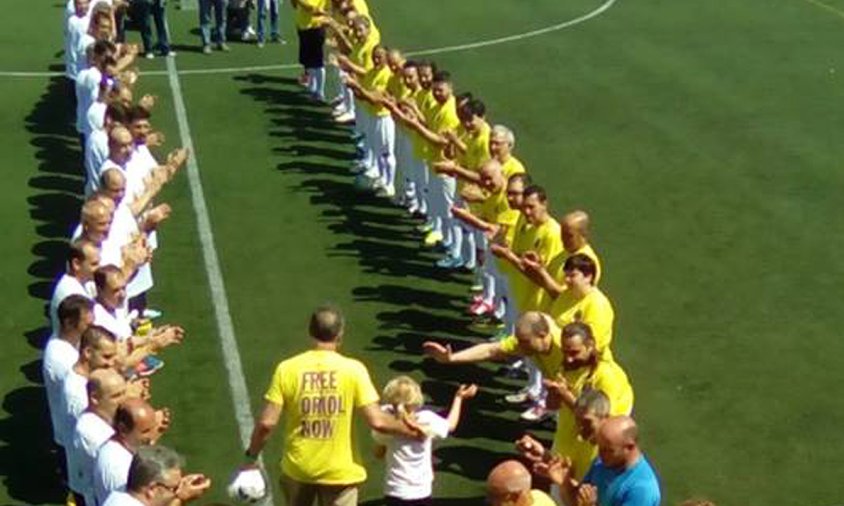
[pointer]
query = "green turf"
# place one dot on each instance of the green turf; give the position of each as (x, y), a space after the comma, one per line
(703, 137)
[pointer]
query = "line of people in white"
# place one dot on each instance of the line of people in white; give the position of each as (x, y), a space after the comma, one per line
(103, 346)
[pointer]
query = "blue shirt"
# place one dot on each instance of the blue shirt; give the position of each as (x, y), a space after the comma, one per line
(633, 486)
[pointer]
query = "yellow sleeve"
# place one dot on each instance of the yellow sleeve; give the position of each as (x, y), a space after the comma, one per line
(613, 381)
(550, 244)
(365, 393)
(599, 315)
(275, 391)
(510, 345)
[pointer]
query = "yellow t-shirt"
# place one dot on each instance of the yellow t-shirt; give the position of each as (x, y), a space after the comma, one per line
(477, 150)
(609, 378)
(425, 101)
(441, 118)
(495, 209)
(511, 167)
(318, 392)
(540, 498)
(595, 310)
(549, 363)
(305, 20)
(396, 87)
(361, 51)
(545, 241)
(555, 269)
(377, 80)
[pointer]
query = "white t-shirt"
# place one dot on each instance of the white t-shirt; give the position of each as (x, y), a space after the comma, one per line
(111, 470)
(74, 400)
(96, 153)
(75, 27)
(94, 117)
(121, 499)
(90, 434)
(87, 92)
(138, 167)
(409, 469)
(65, 287)
(117, 323)
(59, 357)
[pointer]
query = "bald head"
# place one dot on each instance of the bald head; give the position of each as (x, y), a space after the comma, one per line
(136, 422)
(492, 177)
(507, 482)
(575, 230)
(102, 382)
(120, 144)
(532, 324)
(113, 185)
(618, 442)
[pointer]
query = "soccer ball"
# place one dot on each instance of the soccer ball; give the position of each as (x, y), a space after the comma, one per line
(249, 486)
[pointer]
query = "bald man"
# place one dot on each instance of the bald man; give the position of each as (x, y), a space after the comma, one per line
(620, 476)
(95, 220)
(120, 147)
(136, 424)
(509, 483)
(574, 232)
(106, 390)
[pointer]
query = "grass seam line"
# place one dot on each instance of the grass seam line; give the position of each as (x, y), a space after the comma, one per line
(225, 327)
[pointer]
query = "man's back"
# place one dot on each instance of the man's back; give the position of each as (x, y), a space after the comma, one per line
(318, 391)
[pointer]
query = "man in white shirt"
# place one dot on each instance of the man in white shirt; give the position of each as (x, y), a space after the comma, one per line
(97, 350)
(109, 309)
(106, 390)
(96, 145)
(76, 24)
(83, 258)
(61, 354)
(120, 146)
(156, 479)
(136, 424)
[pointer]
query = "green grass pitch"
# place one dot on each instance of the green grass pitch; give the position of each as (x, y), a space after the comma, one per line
(704, 138)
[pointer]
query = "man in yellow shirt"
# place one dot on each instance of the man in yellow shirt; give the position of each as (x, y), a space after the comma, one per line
(315, 395)
(440, 118)
(311, 32)
(574, 230)
(370, 88)
(584, 368)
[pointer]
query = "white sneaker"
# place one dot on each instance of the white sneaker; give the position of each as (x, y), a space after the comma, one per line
(535, 413)
(386, 191)
(345, 118)
(519, 397)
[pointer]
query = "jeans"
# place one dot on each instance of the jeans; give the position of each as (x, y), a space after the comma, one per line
(156, 8)
(218, 35)
(263, 7)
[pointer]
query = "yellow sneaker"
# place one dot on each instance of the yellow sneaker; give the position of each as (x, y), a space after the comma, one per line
(432, 239)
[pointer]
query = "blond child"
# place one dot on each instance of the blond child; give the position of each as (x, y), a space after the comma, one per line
(410, 473)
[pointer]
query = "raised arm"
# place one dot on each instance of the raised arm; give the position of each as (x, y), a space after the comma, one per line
(463, 392)
(477, 353)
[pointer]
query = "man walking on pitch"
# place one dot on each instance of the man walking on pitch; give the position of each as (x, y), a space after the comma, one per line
(314, 394)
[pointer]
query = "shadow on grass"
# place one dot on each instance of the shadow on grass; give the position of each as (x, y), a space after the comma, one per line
(317, 154)
(30, 464)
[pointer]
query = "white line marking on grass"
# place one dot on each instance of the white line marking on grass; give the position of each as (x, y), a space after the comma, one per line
(228, 341)
(421, 52)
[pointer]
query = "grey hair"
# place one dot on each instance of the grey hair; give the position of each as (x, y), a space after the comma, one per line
(503, 131)
(150, 464)
(592, 400)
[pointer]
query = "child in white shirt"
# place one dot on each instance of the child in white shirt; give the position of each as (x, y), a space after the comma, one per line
(410, 473)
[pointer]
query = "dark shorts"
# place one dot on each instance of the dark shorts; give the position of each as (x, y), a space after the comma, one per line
(311, 44)
(395, 501)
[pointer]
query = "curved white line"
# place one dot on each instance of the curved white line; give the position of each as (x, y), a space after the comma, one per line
(422, 52)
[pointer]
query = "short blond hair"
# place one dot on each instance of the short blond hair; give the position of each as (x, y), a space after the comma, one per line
(403, 393)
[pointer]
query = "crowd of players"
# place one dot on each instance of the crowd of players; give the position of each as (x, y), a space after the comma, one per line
(103, 350)
(426, 148)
